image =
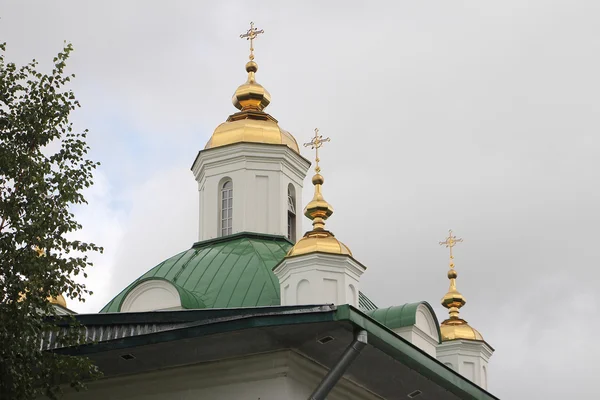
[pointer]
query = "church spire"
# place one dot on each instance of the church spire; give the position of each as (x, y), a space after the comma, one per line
(251, 124)
(453, 300)
(251, 96)
(318, 210)
(319, 269)
(455, 327)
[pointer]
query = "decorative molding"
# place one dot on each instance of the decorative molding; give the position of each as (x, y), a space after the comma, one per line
(465, 347)
(306, 262)
(250, 152)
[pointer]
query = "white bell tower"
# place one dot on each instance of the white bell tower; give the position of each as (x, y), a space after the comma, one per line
(250, 187)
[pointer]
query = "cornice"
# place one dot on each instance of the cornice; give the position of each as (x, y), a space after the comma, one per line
(241, 151)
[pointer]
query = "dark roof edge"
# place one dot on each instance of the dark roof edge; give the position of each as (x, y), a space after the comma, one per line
(253, 235)
(171, 316)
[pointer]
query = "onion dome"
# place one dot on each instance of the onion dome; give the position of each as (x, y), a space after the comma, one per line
(455, 327)
(60, 300)
(251, 123)
(251, 95)
(318, 210)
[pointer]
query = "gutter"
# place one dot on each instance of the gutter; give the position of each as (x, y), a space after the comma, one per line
(337, 371)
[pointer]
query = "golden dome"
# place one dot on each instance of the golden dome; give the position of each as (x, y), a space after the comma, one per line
(319, 242)
(251, 124)
(318, 210)
(60, 300)
(459, 331)
(251, 95)
(252, 130)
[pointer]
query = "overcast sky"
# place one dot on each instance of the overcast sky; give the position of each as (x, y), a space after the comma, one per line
(480, 116)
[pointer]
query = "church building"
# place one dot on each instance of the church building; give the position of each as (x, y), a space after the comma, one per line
(256, 309)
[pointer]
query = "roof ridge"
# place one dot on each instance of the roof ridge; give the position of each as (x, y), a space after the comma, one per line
(239, 235)
(269, 274)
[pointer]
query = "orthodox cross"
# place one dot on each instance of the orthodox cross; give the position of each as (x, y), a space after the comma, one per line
(451, 242)
(315, 143)
(250, 35)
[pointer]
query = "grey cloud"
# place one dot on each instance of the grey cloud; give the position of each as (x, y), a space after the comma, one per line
(476, 116)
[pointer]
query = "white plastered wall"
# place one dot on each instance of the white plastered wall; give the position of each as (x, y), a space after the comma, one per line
(152, 295)
(319, 278)
(271, 376)
(261, 174)
(469, 358)
(423, 333)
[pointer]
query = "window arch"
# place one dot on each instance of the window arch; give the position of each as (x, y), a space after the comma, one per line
(291, 213)
(484, 378)
(226, 214)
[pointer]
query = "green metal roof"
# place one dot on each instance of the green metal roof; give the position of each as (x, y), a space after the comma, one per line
(401, 316)
(232, 271)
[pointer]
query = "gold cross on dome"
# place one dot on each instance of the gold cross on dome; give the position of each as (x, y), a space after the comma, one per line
(250, 35)
(451, 242)
(315, 143)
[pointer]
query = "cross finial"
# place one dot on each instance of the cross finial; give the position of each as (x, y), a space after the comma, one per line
(250, 35)
(315, 143)
(450, 242)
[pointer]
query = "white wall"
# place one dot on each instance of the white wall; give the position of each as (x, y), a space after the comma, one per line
(469, 358)
(271, 376)
(151, 295)
(260, 174)
(423, 333)
(319, 278)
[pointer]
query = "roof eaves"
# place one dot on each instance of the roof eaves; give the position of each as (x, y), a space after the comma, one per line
(214, 321)
(392, 344)
(230, 320)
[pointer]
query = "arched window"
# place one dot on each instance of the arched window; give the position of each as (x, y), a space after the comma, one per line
(291, 214)
(226, 208)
